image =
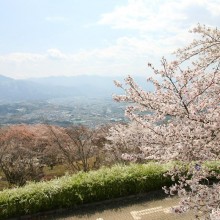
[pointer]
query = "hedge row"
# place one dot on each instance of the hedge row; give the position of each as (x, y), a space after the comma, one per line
(81, 188)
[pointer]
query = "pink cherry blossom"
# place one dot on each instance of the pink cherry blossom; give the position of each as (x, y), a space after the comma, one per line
(179, 121)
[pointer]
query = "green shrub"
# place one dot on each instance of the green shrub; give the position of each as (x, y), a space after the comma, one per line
(81, 188)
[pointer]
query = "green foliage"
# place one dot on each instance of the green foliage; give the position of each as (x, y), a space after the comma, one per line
(213, 165)
(70, 191)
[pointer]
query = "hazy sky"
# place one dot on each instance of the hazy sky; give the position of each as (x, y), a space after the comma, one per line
(41, 38)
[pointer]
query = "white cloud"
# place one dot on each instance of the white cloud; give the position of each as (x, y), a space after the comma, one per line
(164, 24)
(56, 54)
(161, 26)
(21, 57)
(157, 28)
(125, 57)
(158, 15)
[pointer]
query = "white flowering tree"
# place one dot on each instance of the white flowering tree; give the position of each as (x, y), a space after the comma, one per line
(125, 142)
(184, 124)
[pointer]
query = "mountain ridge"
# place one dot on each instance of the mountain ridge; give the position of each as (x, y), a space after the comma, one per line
(59, 87)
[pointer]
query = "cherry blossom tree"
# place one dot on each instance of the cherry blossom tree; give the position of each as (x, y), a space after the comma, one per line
(18, 159)
(44, 144)
(25, 150)
(184, 120)
(100, 140)
(125, 142)
(80, 145)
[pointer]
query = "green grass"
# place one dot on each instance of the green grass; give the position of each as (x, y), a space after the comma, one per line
(81, 188)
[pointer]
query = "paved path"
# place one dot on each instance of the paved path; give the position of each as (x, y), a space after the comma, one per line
(143, 208)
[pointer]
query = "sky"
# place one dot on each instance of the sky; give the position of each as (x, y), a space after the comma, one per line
(41, 38)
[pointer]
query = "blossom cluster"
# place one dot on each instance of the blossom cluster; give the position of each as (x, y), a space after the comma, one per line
(180, 120)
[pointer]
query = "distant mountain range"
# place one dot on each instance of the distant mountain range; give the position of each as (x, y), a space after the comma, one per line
(60, 87)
